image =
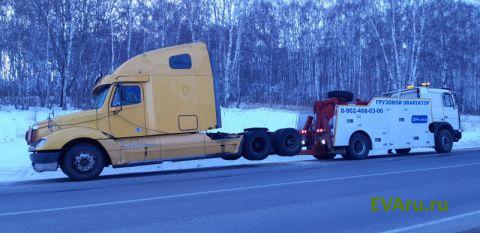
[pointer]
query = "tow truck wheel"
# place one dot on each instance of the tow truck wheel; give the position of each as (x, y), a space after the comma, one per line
(256, 145)
(83, 162)
(443, 141)
(358, 147)
(403, 151)
(287, 142)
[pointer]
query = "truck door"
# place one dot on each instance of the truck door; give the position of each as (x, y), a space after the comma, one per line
(437, 107)
(450, 110)
(127, 111)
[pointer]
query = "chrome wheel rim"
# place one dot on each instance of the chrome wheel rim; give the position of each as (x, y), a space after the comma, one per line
(359, 147)
(84, 162)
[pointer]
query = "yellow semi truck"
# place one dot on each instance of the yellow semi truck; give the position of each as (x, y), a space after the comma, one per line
(158, 106)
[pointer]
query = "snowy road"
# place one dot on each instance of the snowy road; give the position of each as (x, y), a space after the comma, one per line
(303, 196)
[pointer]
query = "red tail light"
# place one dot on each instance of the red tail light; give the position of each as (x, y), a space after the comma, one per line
(303, 131)
(320, 130)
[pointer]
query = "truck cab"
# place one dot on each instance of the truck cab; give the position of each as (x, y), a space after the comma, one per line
(444, 105)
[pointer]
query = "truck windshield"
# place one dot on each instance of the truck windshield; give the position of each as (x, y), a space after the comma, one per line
(100, 96)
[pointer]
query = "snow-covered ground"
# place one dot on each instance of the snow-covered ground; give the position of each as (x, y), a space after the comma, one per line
(15, 162)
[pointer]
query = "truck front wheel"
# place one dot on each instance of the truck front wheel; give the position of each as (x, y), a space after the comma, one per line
(443, 141)
(358, 147)
(83, 162)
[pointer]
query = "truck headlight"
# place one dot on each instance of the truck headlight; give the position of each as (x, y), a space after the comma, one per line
(41, 143)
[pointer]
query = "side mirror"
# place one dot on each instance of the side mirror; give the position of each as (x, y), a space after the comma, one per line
(118, 107)
(122, 94)
(116, 110)
(455, 102)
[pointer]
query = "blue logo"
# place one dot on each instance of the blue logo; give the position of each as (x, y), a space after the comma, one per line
(419, 119)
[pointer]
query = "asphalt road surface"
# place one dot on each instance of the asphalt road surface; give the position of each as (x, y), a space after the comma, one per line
(307, 196)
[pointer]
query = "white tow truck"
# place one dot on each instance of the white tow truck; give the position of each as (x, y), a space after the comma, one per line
(416, 117)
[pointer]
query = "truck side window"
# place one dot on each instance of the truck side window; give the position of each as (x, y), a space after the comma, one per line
(131, 95)
(182, 61)
(448, 100)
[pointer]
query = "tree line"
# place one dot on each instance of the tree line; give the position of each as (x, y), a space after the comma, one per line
(263, 52)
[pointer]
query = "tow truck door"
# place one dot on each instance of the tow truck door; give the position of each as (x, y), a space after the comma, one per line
(437, 107)
(450, 110)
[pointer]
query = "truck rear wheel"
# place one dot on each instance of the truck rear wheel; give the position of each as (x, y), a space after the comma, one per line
(256, 145)
(443, 141)
(83, 162)
(358, 147)
(403, 151)
(287, 142)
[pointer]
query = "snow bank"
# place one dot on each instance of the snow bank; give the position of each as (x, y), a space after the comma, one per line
(235, 120)
(15, 162)
(471, 132)
(13, 125)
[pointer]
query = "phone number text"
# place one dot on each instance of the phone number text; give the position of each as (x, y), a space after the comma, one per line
(361, 110)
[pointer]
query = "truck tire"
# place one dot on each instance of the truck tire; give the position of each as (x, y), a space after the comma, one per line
(231, 156)
(256, 145)
(256, 129)
(358, 147)
(287, 142)
(403, 151)
(344, 96)
(83, 162)
(443, 141)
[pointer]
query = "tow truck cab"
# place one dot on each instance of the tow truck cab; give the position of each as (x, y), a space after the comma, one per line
(445, 110)
(416, 117)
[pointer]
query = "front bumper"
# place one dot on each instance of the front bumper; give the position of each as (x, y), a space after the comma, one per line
(45, 161)
(457, 135)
